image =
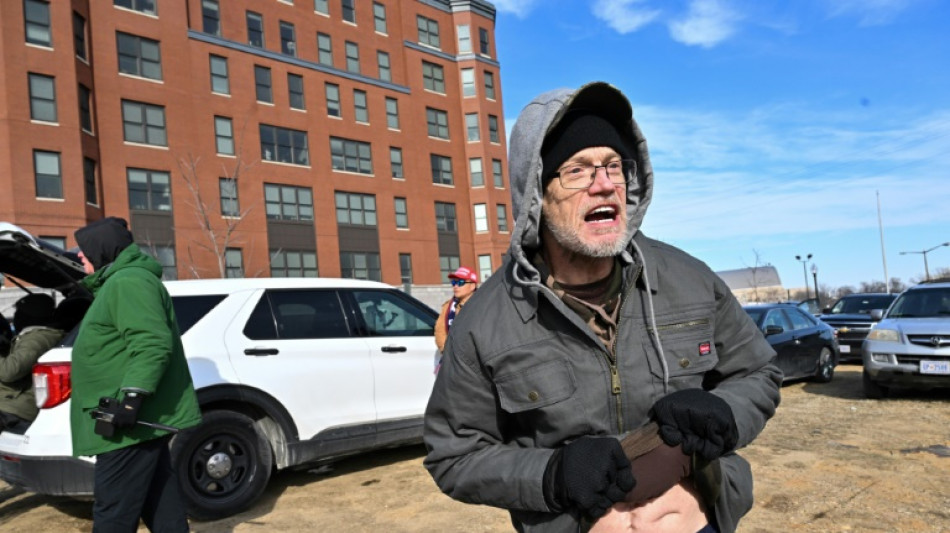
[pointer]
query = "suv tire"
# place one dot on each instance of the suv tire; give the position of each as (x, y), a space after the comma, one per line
(826, 366)
(222, 465)
(872, 389)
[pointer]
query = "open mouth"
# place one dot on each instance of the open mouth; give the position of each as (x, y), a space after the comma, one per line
(601, 214)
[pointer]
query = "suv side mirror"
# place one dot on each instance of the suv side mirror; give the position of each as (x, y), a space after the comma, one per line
(773, 330)
(877, 314)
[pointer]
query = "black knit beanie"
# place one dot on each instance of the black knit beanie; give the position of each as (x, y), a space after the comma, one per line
(33, 310)
(103, 240)
(577, 130)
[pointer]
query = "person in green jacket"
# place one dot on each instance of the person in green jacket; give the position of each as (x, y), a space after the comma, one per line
(129, 349)
(35, 334)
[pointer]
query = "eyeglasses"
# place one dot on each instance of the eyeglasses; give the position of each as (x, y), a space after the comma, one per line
(578, 176)
(458, 282)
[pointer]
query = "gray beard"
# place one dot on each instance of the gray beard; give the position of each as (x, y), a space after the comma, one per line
(568, 238)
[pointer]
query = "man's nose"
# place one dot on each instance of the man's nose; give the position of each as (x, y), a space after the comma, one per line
(601, 181)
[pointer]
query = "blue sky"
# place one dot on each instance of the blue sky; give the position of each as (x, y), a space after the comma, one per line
(773, 126)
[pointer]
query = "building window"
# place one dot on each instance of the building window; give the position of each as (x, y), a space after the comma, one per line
(352, 57)
(295, 91)
(285, 202)
(483, 41)
(481, 218)
(354, 209)
(471, 127)
(85, 108)
(475, 172)
(465, 38)
(230, 205)
(402, 213)
(42, 97)
(360, 108)
(262, 84)
(484, 267)
(320, 6)
(447, 265)
(468, 82)
(349, 10)
(445, 217)
(89, 180)
(502, 212)
(37, 22)
(233, 263)
(496, 174)
(433, 77)
(428, 31)
(333, 100)
(142, 6)
(211, 17)
(59, 242)
(139, 56)
(438, 123)
(405, 268)
(359, 265)
(48, 174)
(293, 264)
(284, 145)
(219, 75)
(143, 123)
(255, 29)
(324, 50)
(395, 162)
(149, 190)
(165, 255)
(489, 85)
(385, 69)
(288, 39)
(223, 135)
(351, 156)
(79, 35)
(392, 113)
(379, 17)
(441, 169)
(493, 129)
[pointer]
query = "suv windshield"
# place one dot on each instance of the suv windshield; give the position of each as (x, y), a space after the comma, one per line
(861, 305)
(922, 303)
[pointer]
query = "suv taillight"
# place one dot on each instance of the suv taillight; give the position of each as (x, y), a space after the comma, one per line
(51, 384)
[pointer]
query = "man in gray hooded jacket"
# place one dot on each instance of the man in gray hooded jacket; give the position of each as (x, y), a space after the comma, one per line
(589, 331)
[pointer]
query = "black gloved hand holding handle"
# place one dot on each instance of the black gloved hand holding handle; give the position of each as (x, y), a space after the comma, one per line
(590, 474)
(700, 421)
(127, 412)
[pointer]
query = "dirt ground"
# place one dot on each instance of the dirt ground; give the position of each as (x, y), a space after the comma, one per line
(829, 461)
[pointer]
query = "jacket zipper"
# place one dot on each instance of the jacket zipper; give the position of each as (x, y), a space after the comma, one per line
(615, 387)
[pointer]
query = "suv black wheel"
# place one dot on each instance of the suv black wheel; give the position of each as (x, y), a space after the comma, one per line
(826, 366)
(872, 389)
(222, 465)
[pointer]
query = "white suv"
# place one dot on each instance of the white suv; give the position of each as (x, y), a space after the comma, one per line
(288, 371)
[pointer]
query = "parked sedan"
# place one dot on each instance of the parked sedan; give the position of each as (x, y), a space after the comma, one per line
(806, 346)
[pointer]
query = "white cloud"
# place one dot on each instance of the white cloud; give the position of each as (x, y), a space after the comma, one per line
(869, 12)
(707, 23)
(624, 16)
(519, 8)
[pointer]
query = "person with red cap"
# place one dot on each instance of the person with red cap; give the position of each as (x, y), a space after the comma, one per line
(464, 282)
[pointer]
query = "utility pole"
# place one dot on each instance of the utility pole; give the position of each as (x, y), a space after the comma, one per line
(880, 225)
(924, 253)
(804, 271)
(814, 273)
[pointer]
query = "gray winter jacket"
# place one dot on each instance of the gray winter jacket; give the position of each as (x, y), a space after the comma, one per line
(523, 374)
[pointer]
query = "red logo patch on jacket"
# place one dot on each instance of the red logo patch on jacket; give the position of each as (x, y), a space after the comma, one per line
(705, 348)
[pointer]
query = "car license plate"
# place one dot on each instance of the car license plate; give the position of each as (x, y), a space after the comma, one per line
(845, 348)
(935, 367)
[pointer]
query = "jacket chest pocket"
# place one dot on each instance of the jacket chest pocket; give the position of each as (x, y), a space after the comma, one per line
(688, 348)
(542, 404)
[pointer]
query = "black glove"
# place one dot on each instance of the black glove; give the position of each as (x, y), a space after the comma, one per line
(590, 474)
(701, 421)
(127, 412)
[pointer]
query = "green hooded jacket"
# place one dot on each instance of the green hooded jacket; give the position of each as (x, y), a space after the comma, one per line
(129, 339)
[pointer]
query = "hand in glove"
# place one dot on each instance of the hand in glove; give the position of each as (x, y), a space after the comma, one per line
(701, 421)
(127, 412)
(590, 474)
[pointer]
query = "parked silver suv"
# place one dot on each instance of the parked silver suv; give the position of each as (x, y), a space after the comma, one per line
(910, 346)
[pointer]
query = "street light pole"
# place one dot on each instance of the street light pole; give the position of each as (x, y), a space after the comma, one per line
(804, 271)
(814, 273)
(924, 253)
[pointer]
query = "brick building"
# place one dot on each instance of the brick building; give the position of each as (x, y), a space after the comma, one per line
(355, 138)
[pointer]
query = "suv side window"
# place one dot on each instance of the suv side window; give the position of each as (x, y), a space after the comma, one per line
(387, 314)
(307, 314)
(190, 309)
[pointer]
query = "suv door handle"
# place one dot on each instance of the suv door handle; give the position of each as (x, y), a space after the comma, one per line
(393, 349)
(260, 351)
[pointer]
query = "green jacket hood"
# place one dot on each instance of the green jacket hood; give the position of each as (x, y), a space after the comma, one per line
(535, 122)
(131, 256)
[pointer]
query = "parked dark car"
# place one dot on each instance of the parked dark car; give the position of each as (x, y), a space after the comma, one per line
(851, 317)
(806, 346)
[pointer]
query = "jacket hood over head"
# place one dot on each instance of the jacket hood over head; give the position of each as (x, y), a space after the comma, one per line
(535, 123)
(103, 240)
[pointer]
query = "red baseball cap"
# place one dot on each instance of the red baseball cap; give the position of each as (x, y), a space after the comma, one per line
(464, 273)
